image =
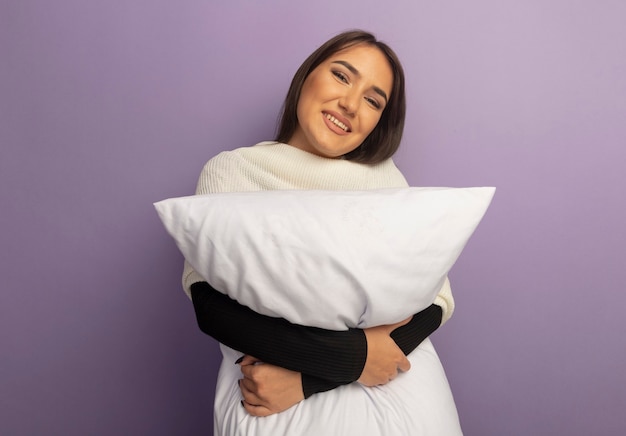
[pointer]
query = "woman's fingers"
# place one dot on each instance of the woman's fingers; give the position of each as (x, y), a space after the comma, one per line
(268, 389)
(384, 357)
(248, 360)
(250, 371)
(252, 402)
(404, 365)
(260, 411)
(249, 389)
(249, 396)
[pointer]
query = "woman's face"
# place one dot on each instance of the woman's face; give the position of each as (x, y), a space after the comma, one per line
(342, 100)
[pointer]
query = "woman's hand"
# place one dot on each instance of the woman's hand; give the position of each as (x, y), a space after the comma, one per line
(384, 357)
(268, 389)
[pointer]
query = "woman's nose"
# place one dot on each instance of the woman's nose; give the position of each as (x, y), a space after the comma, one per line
(349, 102)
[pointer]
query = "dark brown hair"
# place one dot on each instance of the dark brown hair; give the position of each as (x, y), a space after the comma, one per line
(384, 140)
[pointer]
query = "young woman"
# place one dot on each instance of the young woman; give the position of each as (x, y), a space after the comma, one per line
(342, 121)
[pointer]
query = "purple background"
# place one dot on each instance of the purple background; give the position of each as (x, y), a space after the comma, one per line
(108, 106)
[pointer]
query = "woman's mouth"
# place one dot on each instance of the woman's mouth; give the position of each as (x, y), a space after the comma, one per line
(336, 122)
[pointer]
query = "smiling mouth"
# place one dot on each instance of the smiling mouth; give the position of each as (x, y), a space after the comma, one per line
(337, 123)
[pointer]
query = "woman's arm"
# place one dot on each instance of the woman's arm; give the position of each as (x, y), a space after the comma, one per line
(269, 389)
(326, 358)
(337, 356)
(407, 337)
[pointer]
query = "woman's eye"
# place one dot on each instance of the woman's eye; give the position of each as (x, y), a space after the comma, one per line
(339, 75)
(373, 102)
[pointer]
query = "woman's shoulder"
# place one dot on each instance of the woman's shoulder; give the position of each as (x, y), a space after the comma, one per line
(242, 153)
(235, 156)
(237, 169)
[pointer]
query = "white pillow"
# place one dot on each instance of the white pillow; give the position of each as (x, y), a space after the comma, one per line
(330, 259)
(416, 403)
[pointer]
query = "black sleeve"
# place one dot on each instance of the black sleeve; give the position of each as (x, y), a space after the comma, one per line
(408, 337)
(336, 356)
(421, 326)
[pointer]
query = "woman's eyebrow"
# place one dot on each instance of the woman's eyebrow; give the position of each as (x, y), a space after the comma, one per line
(354, 71)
